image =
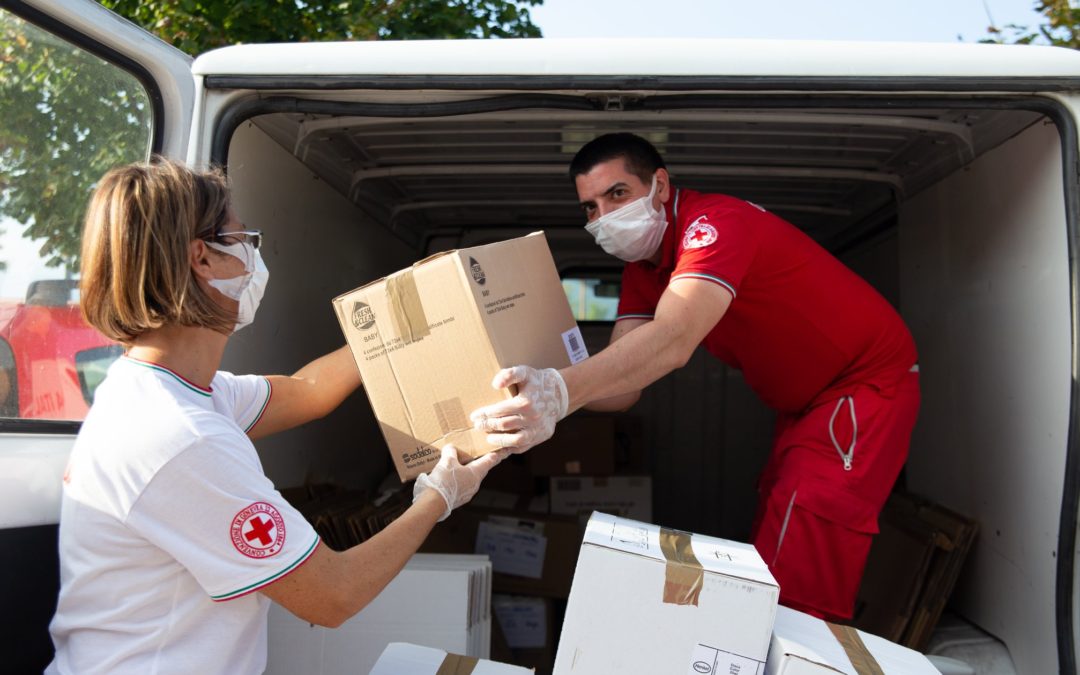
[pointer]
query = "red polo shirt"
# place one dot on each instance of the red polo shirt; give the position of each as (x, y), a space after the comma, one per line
(802, 327)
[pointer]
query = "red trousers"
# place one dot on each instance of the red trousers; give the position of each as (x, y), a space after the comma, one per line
(828, 476)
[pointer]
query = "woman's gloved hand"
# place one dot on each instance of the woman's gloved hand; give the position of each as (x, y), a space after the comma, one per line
(529, 418)
(455, 482)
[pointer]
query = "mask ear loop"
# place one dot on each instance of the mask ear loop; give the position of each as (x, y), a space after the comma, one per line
(249, 253)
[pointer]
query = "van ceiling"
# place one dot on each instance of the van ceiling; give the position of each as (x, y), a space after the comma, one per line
(834, 172)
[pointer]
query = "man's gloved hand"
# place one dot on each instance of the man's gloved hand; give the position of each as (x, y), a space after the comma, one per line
(528, 418)
(454, 481)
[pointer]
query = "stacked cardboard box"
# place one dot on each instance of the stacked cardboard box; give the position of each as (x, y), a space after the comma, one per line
(912, 568)
(344, 518)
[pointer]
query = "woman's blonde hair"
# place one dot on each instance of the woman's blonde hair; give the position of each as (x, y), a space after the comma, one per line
(136, 271)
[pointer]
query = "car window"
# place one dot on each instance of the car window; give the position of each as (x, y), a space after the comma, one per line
(591, 298)
(68, 116)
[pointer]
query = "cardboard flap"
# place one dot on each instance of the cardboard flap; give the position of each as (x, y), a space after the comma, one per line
(714, 555)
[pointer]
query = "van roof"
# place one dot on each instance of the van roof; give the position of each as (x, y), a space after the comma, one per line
(641, 58)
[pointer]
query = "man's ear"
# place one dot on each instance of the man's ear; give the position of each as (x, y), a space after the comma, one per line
(199, 258)
(663, 185)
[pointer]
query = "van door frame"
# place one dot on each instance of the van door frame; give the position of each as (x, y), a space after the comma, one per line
(36, 451)
(877, 90)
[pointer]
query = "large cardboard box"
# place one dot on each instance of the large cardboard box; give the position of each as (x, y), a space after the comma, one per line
(805, 645)
(428, 340)
(648, 600)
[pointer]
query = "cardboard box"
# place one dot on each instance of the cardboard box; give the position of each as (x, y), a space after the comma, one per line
(428, 340)
(625, 496)
(648, 600)
(400, 658)
(528, 627)
(805, 645)
(583, 445)
(913, 566)
(531, 554)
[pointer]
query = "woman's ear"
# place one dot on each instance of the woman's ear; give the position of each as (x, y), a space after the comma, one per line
(199, 258)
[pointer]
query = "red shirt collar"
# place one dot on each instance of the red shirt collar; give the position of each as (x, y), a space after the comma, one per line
(667, 244)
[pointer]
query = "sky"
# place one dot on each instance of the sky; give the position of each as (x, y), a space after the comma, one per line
(875, 20)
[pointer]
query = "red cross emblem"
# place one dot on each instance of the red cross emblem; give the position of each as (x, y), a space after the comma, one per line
(258, 531)
(699, 234)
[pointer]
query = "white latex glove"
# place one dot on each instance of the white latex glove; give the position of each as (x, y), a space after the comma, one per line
(455, 482)
(529, 418)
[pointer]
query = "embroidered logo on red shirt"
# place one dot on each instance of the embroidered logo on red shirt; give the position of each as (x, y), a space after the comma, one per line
(699, 233)
(258, 531)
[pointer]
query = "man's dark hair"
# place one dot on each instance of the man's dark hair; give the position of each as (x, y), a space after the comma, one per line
(642, 159)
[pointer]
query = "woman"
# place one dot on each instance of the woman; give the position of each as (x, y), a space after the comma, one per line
(172, 540)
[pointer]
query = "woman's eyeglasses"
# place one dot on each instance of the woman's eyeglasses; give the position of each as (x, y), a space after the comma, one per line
(252, 237)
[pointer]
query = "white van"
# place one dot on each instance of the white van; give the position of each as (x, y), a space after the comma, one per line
(947, 175)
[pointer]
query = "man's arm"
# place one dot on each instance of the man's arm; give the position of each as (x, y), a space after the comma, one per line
(687, 311)
(619, 403)
(310, 393)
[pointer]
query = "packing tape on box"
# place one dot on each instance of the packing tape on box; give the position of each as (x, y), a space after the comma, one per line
(861, 658)
(455, 664)
(410, 322)
(684, 575)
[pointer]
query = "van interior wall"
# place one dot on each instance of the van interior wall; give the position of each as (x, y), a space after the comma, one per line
(318, 245)
(984, 279)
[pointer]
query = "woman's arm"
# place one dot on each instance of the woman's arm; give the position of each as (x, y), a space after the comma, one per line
(312, 392)
(330, 587)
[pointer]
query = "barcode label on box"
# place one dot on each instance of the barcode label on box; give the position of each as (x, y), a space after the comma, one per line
(575, 346)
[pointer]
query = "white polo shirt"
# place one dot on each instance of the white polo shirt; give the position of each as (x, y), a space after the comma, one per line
(168, 527)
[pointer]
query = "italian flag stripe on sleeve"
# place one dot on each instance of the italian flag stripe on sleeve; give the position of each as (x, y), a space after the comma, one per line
(251, 588)
(269, 394)
(705, 277)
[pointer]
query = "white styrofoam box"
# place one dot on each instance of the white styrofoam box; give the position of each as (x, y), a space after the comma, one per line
(441, 601)
(804, 645)
(617, 619)
(407, 659)
(625, 496)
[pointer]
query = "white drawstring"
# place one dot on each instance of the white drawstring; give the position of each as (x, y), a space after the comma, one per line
(854, 431)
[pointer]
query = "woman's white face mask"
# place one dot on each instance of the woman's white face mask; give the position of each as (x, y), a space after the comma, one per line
(248, 288)
(633, 232)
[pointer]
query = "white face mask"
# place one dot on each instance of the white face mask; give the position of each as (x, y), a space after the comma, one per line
(633, 232)
(248, 288)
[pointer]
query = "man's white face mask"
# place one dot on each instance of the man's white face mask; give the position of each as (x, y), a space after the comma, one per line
(633, 232)
(248, 288)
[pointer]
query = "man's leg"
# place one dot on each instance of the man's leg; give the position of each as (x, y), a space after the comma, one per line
(816, 517)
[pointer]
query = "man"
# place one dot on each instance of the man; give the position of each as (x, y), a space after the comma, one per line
(812, 339)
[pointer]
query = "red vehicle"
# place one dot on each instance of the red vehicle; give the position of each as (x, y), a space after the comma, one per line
(50, 360)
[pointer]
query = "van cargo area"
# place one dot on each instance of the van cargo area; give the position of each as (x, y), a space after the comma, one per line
(958, 205)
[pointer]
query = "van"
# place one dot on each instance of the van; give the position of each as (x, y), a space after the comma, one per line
(944, 174)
